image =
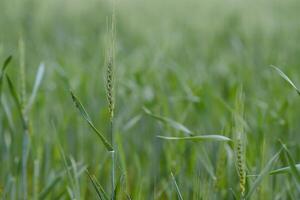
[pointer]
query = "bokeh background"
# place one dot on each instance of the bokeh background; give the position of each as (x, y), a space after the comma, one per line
(180, 59)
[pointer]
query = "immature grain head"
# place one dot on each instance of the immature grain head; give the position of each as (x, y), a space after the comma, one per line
(240, 141)
(110, 66)
(240, 165)
(109, 86)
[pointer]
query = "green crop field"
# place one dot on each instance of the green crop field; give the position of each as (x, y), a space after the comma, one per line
(157, 99)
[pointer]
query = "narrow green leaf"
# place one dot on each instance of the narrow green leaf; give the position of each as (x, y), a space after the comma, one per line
(6, 62)
(13, 93)
(205, 160)
(265, 171)
(286, 78)
(95, 186)
(170, 122)
(133, 121)
(8, 113)
(199, 138)
(99, 189)
(57, 179)
(294, 170)
(4, 66)
(177, 188)
(76, 177)
(16, 99)
(284, 170)
(37, 83)
(85, 115)
(44, 193)
(116, 190)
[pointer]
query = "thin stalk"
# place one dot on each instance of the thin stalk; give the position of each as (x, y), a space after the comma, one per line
(112, 161)
(25, 152)
(26, 139)
(110, 97)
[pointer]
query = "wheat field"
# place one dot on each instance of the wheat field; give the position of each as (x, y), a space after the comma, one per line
(129, 99)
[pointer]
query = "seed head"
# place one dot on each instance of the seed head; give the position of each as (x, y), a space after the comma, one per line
(109, 87)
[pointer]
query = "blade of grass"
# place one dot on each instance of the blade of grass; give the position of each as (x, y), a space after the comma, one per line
(16, 99)
(199, 138)
(176, 186)
(294, 170)
(170, 122)
(4, 66)
(71, 177)
(286, 78)
(55, 181)
(44, 193)
(284, 170)
(100, 191)
(36, 175)
(117, 188)
(8, 113)
(6, 62)
(263, 174)
(85, 115)
(76, 177)
(133, 121)
(22, 54)
(37, 83)
(206, 162)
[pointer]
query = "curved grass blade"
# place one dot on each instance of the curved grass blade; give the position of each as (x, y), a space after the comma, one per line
(37, 83)
(133, 121)
(284, 170)
(117, 188)
(6, 62)
(13, 93)
(44, 193)
(263, 173)
(85, 115)
(99, 189)
(4, 66)
(205, 160)
(199, 138)
(286, 78)
(16, 99)
(57, 179)
(170, 122)
(176, 186)
(294, 170)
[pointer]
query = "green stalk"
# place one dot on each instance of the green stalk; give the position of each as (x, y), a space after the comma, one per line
(113, 161)
(110, 95)
(25, 152)
(26, 139)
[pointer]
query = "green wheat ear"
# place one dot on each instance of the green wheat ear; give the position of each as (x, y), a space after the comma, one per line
(109, 62)
(109, 87)
(240, 141)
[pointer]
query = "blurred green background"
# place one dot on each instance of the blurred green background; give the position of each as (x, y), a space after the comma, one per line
(180, 59)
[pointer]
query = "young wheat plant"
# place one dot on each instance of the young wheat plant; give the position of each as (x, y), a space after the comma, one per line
(109, 93)
(109, 63)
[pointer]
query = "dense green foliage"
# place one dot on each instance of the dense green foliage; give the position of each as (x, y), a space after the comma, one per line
(178, 72)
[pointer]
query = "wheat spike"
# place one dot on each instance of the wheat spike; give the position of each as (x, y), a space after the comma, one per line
(240, 143)
(109, 87)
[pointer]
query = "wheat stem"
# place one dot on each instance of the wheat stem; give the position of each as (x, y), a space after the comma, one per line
(110, 96)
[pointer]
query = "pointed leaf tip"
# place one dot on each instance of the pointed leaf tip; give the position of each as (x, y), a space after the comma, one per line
(85, 115)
